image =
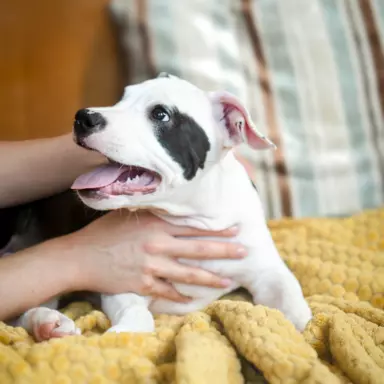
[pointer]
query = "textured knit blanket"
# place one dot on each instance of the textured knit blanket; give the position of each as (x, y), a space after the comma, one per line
(340, 264)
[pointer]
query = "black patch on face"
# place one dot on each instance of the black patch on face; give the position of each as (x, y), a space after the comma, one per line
(182, 137)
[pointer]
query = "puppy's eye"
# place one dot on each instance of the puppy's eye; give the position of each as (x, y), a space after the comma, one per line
(160, 114)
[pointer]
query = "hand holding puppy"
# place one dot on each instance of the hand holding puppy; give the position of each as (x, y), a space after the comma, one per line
(117, 253)
(129, 252)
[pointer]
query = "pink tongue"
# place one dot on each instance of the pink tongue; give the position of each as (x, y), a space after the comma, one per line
(100, 177)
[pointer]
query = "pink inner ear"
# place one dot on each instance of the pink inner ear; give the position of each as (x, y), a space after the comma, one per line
(234, 123)
(239, 123)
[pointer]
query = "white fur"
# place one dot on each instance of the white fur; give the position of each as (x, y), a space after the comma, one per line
(219, 197)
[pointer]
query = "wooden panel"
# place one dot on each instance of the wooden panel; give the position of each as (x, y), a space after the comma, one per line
(55, 57)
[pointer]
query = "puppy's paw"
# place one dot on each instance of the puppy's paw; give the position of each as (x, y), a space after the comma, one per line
(299, 314)
(132, 328)
(44, 324)
(135, 320)
(281, 290)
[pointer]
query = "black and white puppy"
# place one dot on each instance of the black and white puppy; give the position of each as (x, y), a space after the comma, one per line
(170, 149)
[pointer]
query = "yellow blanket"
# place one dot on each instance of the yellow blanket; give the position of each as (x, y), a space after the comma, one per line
(339, 263)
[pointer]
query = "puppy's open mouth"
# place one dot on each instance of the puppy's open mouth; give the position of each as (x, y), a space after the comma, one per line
(117, 179)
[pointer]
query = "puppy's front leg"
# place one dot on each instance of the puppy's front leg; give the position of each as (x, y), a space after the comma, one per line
(272, 284)
(45, 323)
(128, 312)
(278, 288)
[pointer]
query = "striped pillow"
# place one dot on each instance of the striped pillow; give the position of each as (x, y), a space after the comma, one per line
(310, 72)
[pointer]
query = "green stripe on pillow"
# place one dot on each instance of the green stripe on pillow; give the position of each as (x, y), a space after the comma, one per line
(300, 159)
(359, 149)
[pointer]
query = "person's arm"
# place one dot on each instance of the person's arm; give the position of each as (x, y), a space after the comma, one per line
(35, 275)
(35, 169)
(114, 254)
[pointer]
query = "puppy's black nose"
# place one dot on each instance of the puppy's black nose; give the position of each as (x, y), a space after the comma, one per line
(87, 122)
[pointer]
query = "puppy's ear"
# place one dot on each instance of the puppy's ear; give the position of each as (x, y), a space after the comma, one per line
(236, 122)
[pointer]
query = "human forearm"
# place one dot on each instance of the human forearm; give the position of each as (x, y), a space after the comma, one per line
(35, 169)
(35, 275)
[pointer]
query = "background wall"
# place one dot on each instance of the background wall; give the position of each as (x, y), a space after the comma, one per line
(55, 57)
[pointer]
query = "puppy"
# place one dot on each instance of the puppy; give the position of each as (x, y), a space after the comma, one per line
(170, 146)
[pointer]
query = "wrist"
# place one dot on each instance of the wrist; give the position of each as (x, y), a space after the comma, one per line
(75, 254)
(64, 256)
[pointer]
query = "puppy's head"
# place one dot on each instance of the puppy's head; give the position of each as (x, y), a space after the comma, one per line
(163, 134)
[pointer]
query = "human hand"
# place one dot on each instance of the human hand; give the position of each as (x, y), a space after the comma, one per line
(122, 252)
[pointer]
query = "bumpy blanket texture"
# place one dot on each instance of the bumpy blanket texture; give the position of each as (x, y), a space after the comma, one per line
(340, 264)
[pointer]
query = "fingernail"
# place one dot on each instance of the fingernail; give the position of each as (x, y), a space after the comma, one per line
(234, 229)
(226, 282)
(241, 252)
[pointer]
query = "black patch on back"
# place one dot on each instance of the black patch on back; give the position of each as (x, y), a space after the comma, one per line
(184, 140)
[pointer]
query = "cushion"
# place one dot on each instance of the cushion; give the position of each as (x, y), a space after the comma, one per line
(309, 73)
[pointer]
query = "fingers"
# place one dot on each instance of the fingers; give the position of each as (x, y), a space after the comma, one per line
(203, 249)
(195, 232)
(176, 272)
(196, 249)
(167, 291)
